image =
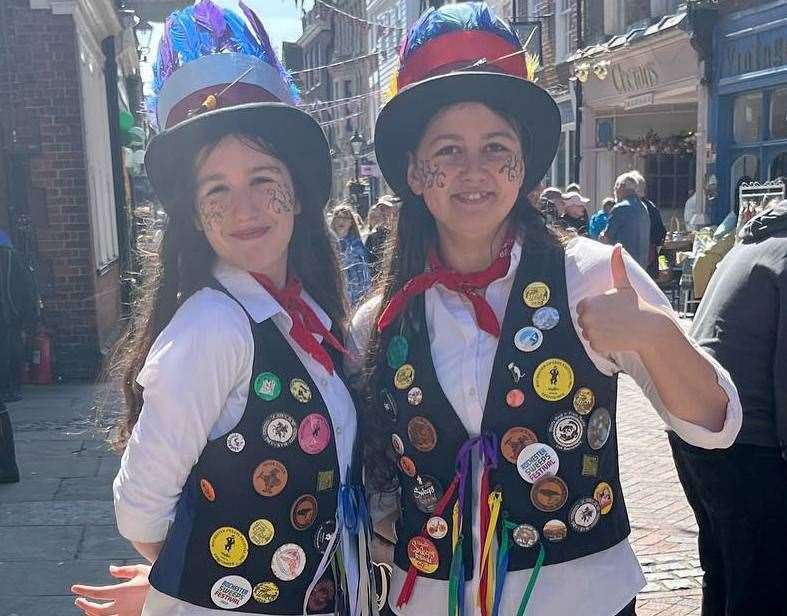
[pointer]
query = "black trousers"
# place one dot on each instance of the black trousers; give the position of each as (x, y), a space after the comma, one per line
(739, 496)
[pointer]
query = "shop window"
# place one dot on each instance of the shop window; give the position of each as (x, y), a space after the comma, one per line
(746, 118)
(562, 29)
(669, 178)
(779, 114)
(779, 166)
(746, 165)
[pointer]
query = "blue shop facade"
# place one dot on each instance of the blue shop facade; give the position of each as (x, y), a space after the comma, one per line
(748, 102)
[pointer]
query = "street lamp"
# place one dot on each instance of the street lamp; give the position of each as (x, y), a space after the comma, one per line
(356, 143)
(144, 33)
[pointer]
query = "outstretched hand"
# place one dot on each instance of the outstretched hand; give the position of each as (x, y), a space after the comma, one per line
(618, 319)
(124, 599)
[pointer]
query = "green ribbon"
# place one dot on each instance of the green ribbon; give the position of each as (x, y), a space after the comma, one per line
(454, 572)
(532, 582)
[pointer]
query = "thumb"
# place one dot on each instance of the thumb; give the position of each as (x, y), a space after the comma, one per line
(620, 279)
(125, 572)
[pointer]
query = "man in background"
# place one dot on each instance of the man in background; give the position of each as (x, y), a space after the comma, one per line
(658, 232)
(629, 220)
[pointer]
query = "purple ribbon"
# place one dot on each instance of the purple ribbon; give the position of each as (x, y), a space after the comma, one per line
(487, 450)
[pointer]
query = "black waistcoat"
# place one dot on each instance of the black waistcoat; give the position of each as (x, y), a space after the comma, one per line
(428, 433)
(217, 530)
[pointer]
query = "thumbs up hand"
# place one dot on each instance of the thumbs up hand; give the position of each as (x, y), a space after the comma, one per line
(619, 319)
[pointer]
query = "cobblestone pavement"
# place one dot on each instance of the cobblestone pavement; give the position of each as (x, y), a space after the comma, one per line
(57, 525)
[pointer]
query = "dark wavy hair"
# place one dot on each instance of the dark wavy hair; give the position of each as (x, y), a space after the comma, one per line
(182, 264)
(405, 253)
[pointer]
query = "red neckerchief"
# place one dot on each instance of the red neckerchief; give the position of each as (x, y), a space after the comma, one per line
(305, 324)
(466, 284)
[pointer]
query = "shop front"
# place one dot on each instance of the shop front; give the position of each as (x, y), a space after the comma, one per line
(749, 110)
(640, 112)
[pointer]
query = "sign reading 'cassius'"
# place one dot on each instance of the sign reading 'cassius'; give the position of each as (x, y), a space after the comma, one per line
(627, 79)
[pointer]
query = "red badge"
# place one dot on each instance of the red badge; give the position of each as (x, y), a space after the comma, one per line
(423, 554)
(314, 433)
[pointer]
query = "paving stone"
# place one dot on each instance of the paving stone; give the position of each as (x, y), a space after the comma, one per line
(85, 488)
(104, 542)
(57, 513)
(34, 578)
(24, 543)
(38, 606)
(30, 488)
(58, 465)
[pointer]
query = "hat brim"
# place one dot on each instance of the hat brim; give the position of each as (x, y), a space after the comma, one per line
(401, 122)
(294, 135)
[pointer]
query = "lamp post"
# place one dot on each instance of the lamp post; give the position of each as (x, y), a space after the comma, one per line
(144, 33)
(357, 189)
(356, 143)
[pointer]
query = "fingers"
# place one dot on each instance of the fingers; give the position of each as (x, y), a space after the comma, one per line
(95, 592)
(96, 609)
(126, 572)
(620, 278)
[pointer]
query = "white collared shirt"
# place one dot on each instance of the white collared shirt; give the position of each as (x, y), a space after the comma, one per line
(601, 584)
(196, 379)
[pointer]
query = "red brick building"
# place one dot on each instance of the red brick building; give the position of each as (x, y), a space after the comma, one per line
(63, 70)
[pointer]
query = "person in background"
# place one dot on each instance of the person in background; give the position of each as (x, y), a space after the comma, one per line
(353, 255)
(629, 220)
(730, 222)
(598, 222)
(380, 221)
(575, 214)
(18, 310)
(574, 187)
(739, 495)
(551, 204)
(9, 471)
(658, 232)
(689, 209)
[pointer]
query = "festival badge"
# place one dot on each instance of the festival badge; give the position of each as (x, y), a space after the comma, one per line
(525, 536)
(236, 442)
(228, 546)
(423, 554)
(528, 339)
(323, 535)
(536, 461)
(269, 478)
(265, 592)
(404, 376)
(300, 390)
(288, 562)
(546, 318)
(267, 386)
(584, 400)
(584, 515)
(422, 434)
(415, 396)
(514, 441)
(604, 497)
(230, 592)
(397, 352)
(314, 433)
(261, 532)
(553, 379)
(303, 512)
(279, 430)
(427, 492)
(599, 427)
(436, 527)
(567, 430)
(549, 494)
(555, 530)
(536, 294)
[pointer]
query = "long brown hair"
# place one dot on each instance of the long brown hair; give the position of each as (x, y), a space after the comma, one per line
(405, 256)
(182, 265)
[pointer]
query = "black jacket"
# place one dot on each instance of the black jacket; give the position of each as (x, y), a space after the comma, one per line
(742, 322)
(18, 305)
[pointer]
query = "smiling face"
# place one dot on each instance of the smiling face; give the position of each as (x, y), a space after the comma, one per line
(342, 222)
(246, 206)
(468, 168)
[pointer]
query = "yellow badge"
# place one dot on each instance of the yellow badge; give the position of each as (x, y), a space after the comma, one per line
(261, 532)
(603, 496)
(300, 390)
(404, 376)
(229, 547)
(536, 294)
(265, 592)
(584, 400)
(553, 379)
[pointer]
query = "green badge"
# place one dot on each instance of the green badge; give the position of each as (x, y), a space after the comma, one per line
(268, 386)
(397, 351)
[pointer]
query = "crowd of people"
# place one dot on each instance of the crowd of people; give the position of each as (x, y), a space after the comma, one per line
(436, 387)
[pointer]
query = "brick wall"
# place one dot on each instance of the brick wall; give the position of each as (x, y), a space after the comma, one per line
(40, 99)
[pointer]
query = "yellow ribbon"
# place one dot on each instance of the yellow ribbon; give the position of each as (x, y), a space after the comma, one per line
(495, 498)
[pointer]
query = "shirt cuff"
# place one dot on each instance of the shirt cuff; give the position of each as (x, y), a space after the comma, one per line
(135, 526)
(700, 436)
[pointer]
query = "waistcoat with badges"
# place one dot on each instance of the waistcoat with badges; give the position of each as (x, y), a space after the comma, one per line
(258, 509)
(552, 414)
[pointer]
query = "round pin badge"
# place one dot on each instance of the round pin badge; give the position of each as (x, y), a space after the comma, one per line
(300, 390)
(423, 554)
(303, 512)
(528, 339)
(514, 441)
(427, 492)
(288, 561)
(525, 536)
(407, 465)
(422, 434)
(599, 427)
(207, 490)
(397, 443)
(228, 546)
(267, 386)
(584, 515)
(269, 478)
(555, 530)
(230, 592)
(389, 405)
(536, 294)
(553, 379)
(549, 494)
(566, 430)
(279, 430)
(584, 400)
(314, 433)
(397, 351)
(261, 532)
(604, 497)
(322, 596)
(536, 461)
(436, 527)
(236, 442)
(546, 318)
(404, 376)
(515, 398)
(415, 396)
(265, 592)
(323, 535)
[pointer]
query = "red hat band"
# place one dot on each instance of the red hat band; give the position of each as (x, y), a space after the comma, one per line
(461, 49)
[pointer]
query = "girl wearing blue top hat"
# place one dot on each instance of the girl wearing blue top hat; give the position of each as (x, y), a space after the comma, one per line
(235, 480)
(493, 347)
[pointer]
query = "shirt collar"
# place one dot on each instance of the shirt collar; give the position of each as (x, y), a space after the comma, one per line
(255, 299)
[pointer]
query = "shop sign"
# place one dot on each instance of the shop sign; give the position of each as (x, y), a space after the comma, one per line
(635, 102)
(760, 51)
(630, 79)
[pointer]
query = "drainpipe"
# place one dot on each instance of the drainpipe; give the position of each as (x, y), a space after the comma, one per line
(577, 162)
